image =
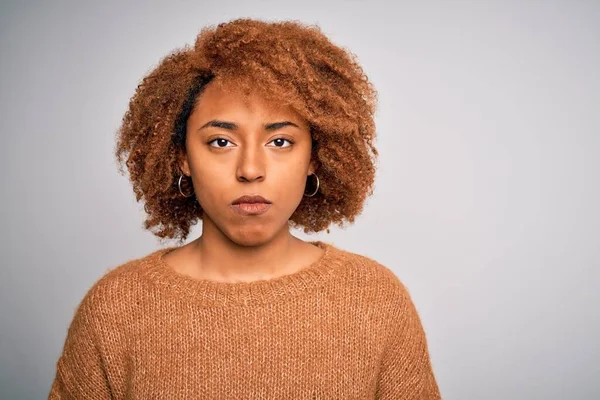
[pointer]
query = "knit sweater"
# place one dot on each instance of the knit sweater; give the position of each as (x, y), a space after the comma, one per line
(343, 327)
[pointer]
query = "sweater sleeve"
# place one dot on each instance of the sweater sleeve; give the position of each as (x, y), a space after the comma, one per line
(406, 371)
(80, 370)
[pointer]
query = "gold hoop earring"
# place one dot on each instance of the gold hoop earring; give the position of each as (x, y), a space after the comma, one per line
(316, 189)
(181, 191)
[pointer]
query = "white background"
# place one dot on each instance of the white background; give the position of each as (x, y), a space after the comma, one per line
(486, 199)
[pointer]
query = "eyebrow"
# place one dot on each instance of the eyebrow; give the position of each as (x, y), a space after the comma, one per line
(231, 126)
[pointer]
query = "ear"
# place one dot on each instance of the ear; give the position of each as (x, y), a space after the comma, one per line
(183, 163)
(312, 167)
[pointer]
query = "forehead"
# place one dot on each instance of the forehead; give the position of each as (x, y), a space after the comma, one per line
(224, 98)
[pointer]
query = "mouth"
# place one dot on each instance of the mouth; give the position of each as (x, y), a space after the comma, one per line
(251, 205)
(250, 199)
(251, 208)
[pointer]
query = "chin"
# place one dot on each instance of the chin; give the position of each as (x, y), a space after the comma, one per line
(250, 231)
(255, 234)
(250, 237)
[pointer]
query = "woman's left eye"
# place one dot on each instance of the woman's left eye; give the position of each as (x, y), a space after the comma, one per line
(281, 141)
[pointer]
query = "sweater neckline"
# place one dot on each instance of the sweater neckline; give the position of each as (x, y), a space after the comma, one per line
(216, 293)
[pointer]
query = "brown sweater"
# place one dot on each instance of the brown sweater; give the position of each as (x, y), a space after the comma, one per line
(343, 328)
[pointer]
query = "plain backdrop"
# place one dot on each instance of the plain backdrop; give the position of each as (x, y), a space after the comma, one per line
(486, 199)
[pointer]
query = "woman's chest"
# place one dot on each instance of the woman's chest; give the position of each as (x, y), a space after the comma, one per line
(260, 352)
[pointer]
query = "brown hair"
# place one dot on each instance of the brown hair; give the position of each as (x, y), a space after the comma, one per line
(293, 63)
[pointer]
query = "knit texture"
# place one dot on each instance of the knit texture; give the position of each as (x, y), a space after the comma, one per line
(342, 328)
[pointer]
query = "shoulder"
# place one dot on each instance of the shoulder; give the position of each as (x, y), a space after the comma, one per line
(370, 267)
(119, 286)
(388, 293)
(374, 274)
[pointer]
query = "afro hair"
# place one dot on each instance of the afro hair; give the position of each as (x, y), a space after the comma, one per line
(289, 62)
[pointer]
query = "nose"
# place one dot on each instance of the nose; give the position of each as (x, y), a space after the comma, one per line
(251, 165)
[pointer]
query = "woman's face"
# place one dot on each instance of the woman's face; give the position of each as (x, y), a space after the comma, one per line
(241, 145)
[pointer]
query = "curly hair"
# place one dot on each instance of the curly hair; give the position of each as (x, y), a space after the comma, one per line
(289, 62)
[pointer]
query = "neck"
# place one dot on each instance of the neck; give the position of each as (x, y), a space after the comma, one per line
(219, 258)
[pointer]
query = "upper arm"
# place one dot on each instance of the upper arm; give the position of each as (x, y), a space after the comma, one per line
(406, 371)
(80, 370)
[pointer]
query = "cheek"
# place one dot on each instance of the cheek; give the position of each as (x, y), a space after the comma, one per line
(210, 184)
(290, 185)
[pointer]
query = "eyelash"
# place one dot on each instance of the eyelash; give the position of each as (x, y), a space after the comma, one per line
(220, 138)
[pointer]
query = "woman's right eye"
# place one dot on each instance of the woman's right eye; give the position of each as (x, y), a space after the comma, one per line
(219, 141)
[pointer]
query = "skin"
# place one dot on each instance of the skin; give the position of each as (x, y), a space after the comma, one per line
(249, 158)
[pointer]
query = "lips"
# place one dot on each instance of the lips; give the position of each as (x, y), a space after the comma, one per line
(251, 205)
(251, 199)
(251, 208)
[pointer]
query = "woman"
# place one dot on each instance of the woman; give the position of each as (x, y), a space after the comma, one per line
(258, 127)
